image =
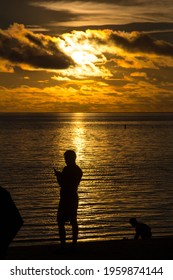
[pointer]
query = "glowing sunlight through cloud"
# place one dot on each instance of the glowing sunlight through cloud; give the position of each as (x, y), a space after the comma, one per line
(81, 71)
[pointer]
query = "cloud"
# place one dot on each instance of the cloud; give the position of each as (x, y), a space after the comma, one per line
(5, 66)
(81, 54)
(105, 70)
(141, 42)
(21, 46)
(138, 74)
(100, 42)
(95, 12)
(56, 16)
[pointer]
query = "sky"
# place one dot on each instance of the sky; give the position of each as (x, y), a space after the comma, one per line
(86, 56)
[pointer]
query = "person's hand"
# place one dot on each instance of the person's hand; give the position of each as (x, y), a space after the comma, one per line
(55, 171)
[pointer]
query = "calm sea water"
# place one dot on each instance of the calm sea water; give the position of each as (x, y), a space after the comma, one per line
(128, 171)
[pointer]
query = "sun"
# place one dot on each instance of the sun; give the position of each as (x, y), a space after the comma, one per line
(84, 53)
(81, 51)
(83, 57)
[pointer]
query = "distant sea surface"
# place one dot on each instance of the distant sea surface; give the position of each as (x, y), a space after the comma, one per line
(127, 162)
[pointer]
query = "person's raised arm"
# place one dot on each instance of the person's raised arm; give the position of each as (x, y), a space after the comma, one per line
(58, 176)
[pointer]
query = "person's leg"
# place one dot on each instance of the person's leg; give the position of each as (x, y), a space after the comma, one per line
(74, 225)
(62, 232)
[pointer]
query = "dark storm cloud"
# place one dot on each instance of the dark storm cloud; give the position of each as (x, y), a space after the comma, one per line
(40, 15)
(21, 11)
(32, 49)
(116, 2)
(141, 42)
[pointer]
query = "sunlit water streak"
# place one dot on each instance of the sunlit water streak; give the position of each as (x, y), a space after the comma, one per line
(127, 171)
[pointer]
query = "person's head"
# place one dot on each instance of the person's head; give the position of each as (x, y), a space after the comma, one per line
(70, 157)
(133, 222)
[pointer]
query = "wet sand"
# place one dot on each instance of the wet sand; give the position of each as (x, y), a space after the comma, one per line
(154, 249)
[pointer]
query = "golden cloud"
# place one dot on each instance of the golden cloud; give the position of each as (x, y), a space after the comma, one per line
(92, 70)
(21, 46)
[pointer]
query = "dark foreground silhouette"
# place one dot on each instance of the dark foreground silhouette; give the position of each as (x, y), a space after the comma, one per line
(10, 221)
(68, 181)
(142, 230)
(128, 249)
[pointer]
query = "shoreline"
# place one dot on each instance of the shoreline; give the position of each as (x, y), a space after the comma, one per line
(160, 248)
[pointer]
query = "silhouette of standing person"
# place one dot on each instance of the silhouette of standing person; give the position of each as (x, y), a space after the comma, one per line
(10, 221)
(142, 230)
(68, 181)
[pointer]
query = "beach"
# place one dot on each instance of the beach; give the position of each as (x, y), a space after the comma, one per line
(125, 249)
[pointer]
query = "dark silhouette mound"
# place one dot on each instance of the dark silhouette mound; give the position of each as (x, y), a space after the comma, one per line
(10, 221)
(157, 248)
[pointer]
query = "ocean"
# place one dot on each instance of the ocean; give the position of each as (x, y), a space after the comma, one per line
(127, 163)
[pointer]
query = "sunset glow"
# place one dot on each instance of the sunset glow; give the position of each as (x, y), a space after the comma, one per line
(87, 68)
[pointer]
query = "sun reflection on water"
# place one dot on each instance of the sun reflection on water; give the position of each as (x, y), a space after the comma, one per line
(78, 136)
